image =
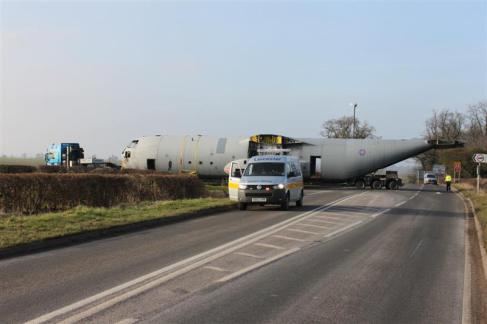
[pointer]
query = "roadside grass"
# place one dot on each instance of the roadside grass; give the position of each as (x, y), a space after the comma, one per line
(468, 188)
(21, 229)
(217, 190)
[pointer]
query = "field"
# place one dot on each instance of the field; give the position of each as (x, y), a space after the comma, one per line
(21, 161)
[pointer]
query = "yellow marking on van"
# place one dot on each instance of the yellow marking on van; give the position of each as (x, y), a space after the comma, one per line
(295, 185)
(233, 185)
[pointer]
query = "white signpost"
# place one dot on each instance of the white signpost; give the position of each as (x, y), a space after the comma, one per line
(479, 158)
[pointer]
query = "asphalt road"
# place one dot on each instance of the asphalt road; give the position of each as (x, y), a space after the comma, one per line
(347, 256)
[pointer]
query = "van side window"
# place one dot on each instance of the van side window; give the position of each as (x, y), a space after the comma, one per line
(294, 172)
(297, 171)
(289, 170)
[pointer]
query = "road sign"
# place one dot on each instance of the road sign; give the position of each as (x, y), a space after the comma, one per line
(439, 169)
(480, 158)
(457, 166)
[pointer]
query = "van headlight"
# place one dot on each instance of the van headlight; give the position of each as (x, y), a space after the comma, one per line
(279, 186)
(242, 186)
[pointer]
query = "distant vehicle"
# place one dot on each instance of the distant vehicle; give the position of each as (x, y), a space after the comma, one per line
(266, 179)
(64, 154)
(430, 178)
(71, 154)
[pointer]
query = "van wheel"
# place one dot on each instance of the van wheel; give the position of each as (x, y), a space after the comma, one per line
(299, 203)
(242, 206)
(285, 203)
(376, 185)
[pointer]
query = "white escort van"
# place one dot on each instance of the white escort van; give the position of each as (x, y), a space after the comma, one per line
(266, 179)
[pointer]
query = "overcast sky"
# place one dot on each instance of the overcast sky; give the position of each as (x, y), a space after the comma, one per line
(104, 72)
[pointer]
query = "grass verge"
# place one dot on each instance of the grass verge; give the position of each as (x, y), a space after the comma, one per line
(20, 229)
(480, 203)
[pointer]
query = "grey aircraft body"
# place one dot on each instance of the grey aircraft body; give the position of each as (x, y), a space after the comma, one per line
(328, 159)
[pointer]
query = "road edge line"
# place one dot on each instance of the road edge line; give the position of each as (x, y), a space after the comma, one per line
(467, 275)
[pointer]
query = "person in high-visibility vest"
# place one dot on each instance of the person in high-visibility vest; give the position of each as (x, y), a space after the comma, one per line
(448, 182)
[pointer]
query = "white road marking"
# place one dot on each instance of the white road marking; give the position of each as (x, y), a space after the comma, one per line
(343, 229)
(320, 221)
(174, 270)
(316, 193)
(257, 265)
(216, 269)
(467, 274)
(270, 246)
(301, 231)
(329, 219)
(333, 218)
(400, 204)
(380, 213)
(311, 225)
(249, 255)
(289, 238)
(416, 248)
(128, 321)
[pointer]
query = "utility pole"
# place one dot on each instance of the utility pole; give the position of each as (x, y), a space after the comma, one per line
(354, 126)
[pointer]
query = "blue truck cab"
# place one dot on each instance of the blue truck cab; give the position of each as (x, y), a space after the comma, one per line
(57, 154)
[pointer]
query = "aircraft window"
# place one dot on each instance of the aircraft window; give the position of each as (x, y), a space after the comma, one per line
(169, 166)
(133, 143)
(189, 162)
(220, 145)
(201, 162)
(211, 163)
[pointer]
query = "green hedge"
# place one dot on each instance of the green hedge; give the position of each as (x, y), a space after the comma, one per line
(12, 168)
(31, 193)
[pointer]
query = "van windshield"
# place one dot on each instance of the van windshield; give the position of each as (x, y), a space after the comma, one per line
(265, 170)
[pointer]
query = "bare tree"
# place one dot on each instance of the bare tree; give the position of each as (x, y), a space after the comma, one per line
(445, 125)
(342, 128)
(477, 128)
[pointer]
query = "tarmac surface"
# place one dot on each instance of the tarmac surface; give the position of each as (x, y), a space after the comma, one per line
(347, 256)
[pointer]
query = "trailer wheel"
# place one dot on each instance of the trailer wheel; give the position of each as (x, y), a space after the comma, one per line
(393, 185)
(376, 185)
(360, 184)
